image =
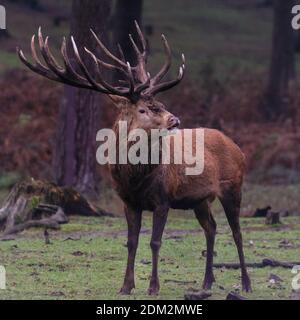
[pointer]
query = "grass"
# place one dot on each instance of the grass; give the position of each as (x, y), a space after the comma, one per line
(234, 38)
(282, 197)
(92, 265)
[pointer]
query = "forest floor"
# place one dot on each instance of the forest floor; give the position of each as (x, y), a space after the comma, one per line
(86, 259)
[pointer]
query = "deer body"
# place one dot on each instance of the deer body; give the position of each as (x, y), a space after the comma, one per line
(155, 187)
(147, 186)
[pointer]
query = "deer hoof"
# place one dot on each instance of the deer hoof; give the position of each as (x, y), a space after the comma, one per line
(125, 291)
(153, 291)
(208, 281)
(246, 284)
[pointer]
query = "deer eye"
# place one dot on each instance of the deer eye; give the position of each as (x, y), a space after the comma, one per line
(155, 110)
(142, 111)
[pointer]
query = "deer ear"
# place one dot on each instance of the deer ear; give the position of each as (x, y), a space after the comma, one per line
(119, 102)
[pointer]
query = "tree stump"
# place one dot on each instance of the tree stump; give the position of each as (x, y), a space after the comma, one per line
(273, 218)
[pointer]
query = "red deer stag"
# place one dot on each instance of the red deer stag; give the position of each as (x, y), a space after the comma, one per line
(155, 187)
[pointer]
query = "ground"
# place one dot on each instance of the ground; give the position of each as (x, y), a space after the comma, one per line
(86, 259)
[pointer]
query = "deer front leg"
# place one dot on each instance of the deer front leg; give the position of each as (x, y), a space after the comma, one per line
(133, 218)
(159, 221)
(206, 220)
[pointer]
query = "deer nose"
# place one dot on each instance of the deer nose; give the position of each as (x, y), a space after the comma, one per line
(173, 122)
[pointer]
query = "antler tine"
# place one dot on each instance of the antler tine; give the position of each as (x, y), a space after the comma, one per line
(107, 52)
(34, 54)
(144, 85)
(85, 70)
(105, 87)
(159, 76)
(52, 64)
(121, 52)
(49, 58)
(68, 66)
(135, 47)
(34, 68)
(106, 65)
(169, 84)
(131, 79)
(40, 38)
(64, 75)
(141, 36)
(140, 69)
(38, 67)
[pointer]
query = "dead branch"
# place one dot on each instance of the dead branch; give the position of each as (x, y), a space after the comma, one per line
(179, 281)
(264, 263)
(45, 223)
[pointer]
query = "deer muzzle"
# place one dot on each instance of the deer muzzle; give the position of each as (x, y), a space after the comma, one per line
(173, 123)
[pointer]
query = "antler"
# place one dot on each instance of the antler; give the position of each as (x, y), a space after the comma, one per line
(138, 81)
(52, 70)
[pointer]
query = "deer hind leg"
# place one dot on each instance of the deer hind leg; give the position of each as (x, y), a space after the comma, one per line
(159, 221)
(231, 202)
(133, 218)
(207, 222)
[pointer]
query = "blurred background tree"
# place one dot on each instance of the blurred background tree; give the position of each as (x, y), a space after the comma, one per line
(282, 66)
(74, 160)
(126, 12)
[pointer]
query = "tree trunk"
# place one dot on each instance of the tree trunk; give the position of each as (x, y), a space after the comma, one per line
(75, 156)
(282, 68)
(125, 14)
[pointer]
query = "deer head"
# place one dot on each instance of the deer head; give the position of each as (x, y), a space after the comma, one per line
(135, 96)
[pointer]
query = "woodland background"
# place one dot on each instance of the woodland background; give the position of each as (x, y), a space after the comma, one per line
(242, 78)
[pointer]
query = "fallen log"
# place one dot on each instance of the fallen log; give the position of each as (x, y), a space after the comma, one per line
(264, 263)
(197, 295)
(234, 296)
(36, 203)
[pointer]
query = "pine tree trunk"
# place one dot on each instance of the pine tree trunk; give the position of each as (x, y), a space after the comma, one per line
(126, 13)
(282, 68)
(75, 156)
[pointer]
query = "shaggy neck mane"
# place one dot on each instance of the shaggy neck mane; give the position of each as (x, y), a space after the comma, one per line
(133, 179)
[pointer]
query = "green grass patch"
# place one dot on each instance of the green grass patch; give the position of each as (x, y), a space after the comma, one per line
(92, 266)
